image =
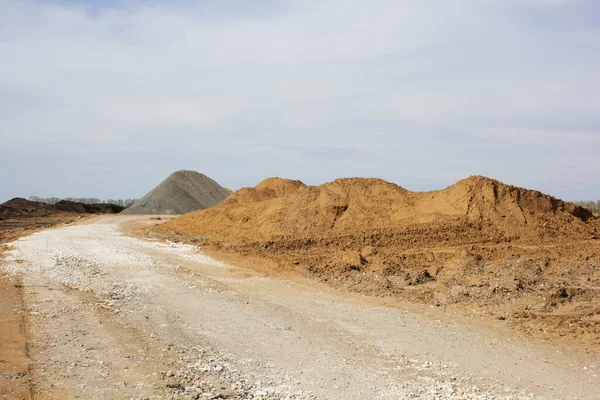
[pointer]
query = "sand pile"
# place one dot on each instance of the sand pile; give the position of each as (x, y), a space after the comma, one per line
(515, 254)
(180, 193)
(22, 208)
(283, 209)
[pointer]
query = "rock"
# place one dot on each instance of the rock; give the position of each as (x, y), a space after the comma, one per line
(260, 393)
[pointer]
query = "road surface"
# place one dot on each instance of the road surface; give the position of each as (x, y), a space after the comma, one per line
(111, 316)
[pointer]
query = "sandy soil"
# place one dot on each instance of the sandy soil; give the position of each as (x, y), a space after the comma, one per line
(14, 367)
(112, 316)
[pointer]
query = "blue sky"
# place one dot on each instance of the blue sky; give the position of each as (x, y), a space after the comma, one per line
(105, 99)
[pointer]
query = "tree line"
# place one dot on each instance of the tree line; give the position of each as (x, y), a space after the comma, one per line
(85, 200)
(590, 205)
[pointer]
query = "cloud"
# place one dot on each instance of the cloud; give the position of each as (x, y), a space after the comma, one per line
(320, 152)
(544, 138)
(419, 92)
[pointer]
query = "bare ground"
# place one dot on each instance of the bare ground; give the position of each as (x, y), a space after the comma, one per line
(14, 365)
(111, 316)
(15, 377)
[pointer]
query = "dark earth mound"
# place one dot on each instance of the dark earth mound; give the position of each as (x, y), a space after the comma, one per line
(22, 208)
(81, 208)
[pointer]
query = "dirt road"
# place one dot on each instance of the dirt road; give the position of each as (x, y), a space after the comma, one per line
(116, 317)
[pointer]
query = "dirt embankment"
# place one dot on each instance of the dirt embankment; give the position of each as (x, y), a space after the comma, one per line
(21, 208)
(82, 208)
(500, 250)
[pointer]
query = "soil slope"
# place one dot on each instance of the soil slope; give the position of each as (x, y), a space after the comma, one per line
(180, 193)
(22, 208)
(501, 250)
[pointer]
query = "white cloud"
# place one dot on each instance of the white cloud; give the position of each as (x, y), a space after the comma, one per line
(545, 138)
(383, 78)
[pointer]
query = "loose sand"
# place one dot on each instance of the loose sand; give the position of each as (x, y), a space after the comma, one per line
(279, 208)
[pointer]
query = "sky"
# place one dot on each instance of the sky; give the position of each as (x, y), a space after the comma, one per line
(107, 98)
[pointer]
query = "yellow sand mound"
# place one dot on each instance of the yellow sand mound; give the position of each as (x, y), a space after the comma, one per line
(281, 208)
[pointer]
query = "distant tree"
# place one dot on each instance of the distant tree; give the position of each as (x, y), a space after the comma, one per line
(85, 200)
(590, 205)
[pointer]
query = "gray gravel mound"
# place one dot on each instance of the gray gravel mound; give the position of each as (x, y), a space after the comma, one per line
(180, 193)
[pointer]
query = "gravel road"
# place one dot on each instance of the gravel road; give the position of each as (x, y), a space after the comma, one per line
(116, 317)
